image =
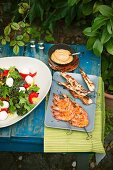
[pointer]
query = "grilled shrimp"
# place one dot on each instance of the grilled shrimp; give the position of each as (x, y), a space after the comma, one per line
(64, 109)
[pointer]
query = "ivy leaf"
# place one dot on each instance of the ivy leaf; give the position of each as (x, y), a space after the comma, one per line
(15, 26)
(98, 47)
(7, 30)
(109, 46)
(20, 43)
(105, 10)
(16, 49)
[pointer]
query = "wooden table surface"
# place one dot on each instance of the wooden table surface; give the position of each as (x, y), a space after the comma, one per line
(27, 135)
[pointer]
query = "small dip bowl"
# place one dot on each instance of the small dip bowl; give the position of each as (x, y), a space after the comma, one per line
(61, 54)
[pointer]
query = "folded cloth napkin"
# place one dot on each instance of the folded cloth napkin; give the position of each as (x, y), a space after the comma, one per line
(58, 140)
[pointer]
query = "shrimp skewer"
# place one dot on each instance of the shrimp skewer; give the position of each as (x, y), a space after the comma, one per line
(64, 109)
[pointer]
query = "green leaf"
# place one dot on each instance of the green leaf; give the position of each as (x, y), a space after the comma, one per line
(90, 43)
(1, 37)
(109, 27)
(28, 30)
(20, 43)
(7, 30)
(98, 22)
(98, 47)
(25, 5)
(19, 37)
(109, 46)
(12, 42)
(21, 10)
(26, 37)
(7, 38)
(15, 26)
(72, 2)
(86, 1)
(96, 6)
(105, 36)
(87, 8)
(88, 32)
(3, 41)
(105, 10)
(16, 49)
(22, 24)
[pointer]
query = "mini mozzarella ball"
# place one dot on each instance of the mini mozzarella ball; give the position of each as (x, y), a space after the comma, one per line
(22, 89)
(29, 79)
(3, 115)
(9, 81)
(24, 71)
(5, 104)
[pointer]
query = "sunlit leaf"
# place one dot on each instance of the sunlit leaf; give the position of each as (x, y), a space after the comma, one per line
(3, 41)
(15, 26)
(16, 49)
(105, 10)
(19, 37)
(109, 27)
(20, 43)
(12, 42)
(7, 30)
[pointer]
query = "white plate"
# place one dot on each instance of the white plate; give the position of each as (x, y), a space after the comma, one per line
(43, 79)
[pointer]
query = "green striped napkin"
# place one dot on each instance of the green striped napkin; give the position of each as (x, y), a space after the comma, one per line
(58, 140)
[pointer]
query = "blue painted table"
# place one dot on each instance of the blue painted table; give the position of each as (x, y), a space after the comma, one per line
(28, 134)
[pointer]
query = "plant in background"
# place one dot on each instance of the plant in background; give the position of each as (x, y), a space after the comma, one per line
(17, 33)
(100, 34)
(107, 73)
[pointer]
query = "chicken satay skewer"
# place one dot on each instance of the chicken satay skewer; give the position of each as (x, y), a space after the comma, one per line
(75, 84)
(85, 99)
(89, 83)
